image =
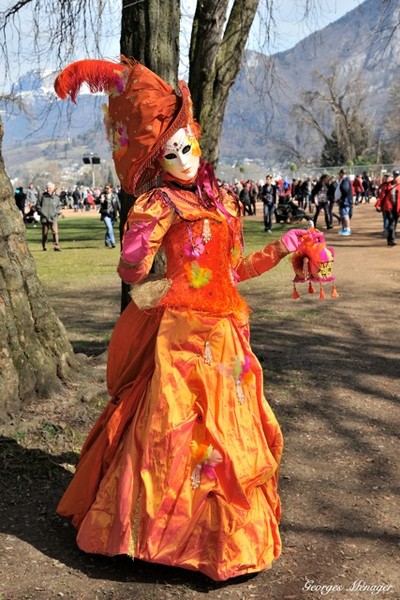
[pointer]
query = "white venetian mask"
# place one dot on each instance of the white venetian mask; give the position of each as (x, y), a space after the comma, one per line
(181, 155)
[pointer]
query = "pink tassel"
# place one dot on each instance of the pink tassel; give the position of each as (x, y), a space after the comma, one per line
(321, 293)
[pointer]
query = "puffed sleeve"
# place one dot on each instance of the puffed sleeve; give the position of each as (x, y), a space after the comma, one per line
(259, 262)
(148, 221)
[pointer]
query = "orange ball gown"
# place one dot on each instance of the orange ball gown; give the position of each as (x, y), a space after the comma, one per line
(181, 468)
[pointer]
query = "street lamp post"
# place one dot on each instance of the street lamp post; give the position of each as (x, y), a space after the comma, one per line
(91, 159)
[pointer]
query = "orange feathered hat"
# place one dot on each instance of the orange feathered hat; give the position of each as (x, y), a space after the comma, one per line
(143, 113)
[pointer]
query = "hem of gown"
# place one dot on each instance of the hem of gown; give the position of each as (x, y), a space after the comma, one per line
(211, 574)
(215, 576)
(219, 569)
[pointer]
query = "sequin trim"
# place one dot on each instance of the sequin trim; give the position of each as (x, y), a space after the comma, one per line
(207, 236)
(207, 353)
(240, 392)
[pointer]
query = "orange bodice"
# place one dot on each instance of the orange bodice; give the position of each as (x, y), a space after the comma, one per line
(205, 282)
(203, 248)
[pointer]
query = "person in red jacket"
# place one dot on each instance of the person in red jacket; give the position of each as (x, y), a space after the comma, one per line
(389, 203)
(358, 188)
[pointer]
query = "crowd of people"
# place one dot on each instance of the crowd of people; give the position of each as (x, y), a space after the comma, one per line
(281, 199)
(334, 196)
(46, 207)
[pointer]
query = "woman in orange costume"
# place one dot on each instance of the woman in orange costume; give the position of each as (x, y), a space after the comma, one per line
(182, 466)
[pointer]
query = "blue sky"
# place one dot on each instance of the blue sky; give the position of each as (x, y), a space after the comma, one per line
(291, 23)
(290, 26)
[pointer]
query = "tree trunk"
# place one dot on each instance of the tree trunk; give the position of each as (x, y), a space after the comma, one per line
(150, 33)
(215, 60)
(35, 352)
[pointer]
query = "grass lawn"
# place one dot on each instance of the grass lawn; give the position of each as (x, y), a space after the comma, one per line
(81, 281)
(84, 288)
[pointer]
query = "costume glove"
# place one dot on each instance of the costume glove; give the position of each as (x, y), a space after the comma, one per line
(135, 244)
(293, 238)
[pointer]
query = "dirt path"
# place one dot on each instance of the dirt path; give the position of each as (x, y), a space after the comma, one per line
(332, 376)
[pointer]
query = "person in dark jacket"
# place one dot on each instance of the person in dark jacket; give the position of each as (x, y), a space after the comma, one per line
(344, 195)
(49, 207)
(109, 210)
(253, 197)
(332, 184)
(77, 199)
(20, 199)
(307, 187)
(268, 196)
(245, 199)
(320, 198)
(366, 185)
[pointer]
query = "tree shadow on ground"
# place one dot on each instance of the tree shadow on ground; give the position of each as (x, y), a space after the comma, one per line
(34, 480)
(90, 317)
(332, 379)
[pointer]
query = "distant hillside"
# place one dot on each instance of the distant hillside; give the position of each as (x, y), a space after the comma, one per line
(365, 42)
(259, 120)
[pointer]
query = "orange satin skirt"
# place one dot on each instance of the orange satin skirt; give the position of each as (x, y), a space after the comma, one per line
(173, 380)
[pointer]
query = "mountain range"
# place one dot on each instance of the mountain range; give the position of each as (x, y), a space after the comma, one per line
(259, 123)
(363, 46)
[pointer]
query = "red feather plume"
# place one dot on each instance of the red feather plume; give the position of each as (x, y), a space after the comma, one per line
(100, 75)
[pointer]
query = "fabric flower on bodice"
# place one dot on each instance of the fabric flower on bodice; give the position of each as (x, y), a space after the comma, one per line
(207, 459)
(194, 248)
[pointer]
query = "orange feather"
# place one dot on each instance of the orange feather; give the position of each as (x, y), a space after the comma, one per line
(100, 75)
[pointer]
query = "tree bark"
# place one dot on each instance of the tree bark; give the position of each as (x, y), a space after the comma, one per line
(149, 33)
(35, 354)
(215, 60)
